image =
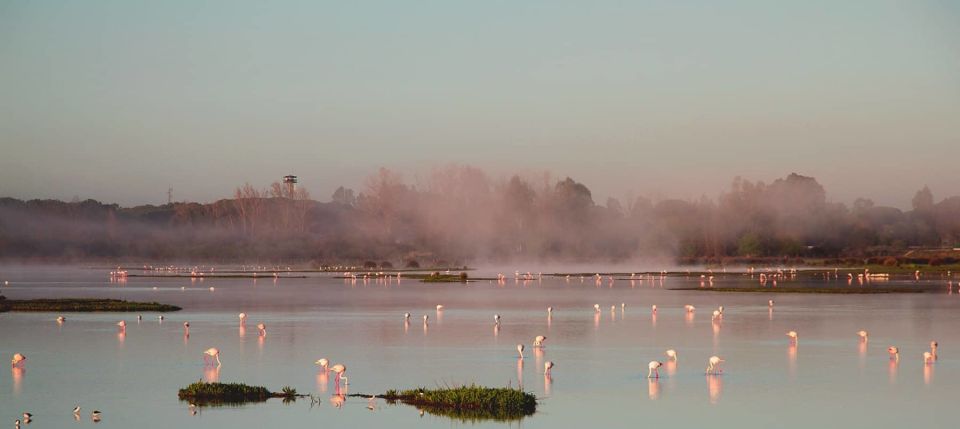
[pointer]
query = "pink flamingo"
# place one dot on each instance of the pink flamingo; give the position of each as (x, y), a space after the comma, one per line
(210, 354)
(17, 361)
(340, 370)
(653, 309)
(61, 319)
(933, 349)
(243, 318)
(538, 341)
(770, 303)
(520, 350)
(547, 366)
(653, 369)
(927, 357)
(323, 363)
(186, 329)
(671, 354)
(793, 336)
(262, 328)
(894, 353)
(713, 365)
(123, 325)
(864, 337)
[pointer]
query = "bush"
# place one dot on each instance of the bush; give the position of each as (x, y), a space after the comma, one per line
(890, 261)
(369, 264)
(386, 264)
(412, 264)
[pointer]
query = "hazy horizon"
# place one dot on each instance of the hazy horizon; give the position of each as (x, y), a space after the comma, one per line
(118, 101)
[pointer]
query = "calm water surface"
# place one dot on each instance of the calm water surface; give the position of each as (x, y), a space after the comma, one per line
(601, 359)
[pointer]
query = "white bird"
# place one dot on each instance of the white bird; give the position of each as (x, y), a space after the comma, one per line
(672, 354)
(713, 365)
(76, 410)
(596, 307)
(406, 316)
(496, 319)
(654, 369)
(863, 335)
(61, 319)
(323, 363)
(547, 366)
(538, 341)
(439, 307)
(520, 350)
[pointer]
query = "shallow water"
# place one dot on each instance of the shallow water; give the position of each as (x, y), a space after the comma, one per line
(601, 359)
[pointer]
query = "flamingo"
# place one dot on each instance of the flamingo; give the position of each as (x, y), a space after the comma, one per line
(406, 317)
(653, 369)
(496, 319)
(27, 417)
(211, 353)
(770, 303)
(425, 318)
(323, 363)
(520, 350)
(61, 319)
(139, 318)
(95, 415)
(439, 307)
(160, 318)
(76, 410)
(538, 341)
(17, 360)
(653, 308)
(933, 349)
(927, 357)
(690, 308)
(672, 354)
(863, 336)
(713, 365)
(894, 353)
(340, 370)
(793, 336)
(186, 328)
(243, 318)
(549, 310)
(716, 314)
(262, 328)
(123, 325)
(596, 308)
(547, 366)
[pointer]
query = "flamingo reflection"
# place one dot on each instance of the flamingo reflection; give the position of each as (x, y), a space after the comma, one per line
(211, 374)
(653, 388)
(17, 373)
(714, 387)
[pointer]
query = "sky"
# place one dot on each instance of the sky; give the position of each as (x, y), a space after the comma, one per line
(121, 100)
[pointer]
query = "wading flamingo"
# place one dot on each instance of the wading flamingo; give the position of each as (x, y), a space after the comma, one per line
(933, 349)
(406, 317)
(243, 318)
(323, 363)
(61, 319)
(340, 370)
(439, 307)
(863, 336)
(770, 303)
(671, 354)
(793, 336)
(123, 325)
(549, 311)
(653, 308)
(496, 319)
(538, 341)
(520, 350)
(690, 308)
(547, 366)
(18, 360)
(713, 365)
(262, 328)
(596, 308)
(653, 370)
(894, 353)
(210, 354)
(186, 328)
(927, 357)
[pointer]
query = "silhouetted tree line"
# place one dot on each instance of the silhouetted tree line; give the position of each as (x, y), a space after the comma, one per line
(458, 214)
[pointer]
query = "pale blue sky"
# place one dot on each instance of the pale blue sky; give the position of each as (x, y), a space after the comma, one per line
(117, 100)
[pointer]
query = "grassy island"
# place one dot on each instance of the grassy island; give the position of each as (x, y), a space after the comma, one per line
(66, 305)
(468, 402)
(202, 393)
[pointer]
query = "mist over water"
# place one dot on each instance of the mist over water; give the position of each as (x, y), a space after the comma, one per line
(459, 215)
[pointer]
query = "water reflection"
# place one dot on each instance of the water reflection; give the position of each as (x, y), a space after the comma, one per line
(892, 366)
(520, 372)
(17, 374)
(792, 360)
(211, 374)
(714, 387)
(927, 374)
(653, 388)
(323, 379)
(671, 367)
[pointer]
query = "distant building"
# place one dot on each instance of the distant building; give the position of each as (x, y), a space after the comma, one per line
(290, 181)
